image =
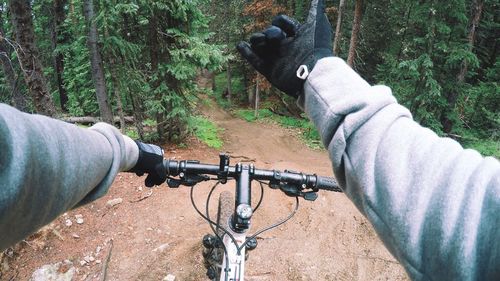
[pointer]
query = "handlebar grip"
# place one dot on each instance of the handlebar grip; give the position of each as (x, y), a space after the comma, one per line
(327, 183)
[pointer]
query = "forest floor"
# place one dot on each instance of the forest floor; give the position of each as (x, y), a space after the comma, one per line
(156, 232)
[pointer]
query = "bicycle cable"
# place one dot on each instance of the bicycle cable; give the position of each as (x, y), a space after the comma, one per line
(214, 230)
(206, 218)
(273, 225)
(261, 196)
(211, 223)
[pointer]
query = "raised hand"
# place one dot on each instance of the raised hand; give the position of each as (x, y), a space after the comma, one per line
(287, 51)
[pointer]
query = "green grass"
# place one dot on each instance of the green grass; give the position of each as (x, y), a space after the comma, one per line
(305, 129)
(486, 144)
(249, 115)
(206, 131)
(485, 147)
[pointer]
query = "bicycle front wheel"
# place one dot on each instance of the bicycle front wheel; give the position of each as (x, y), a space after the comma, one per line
(224, 211)
(214, 245)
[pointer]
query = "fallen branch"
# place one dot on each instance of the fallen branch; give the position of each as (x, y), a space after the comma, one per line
(15, 276)
(104, 271)
(58, 234)
(142, 197)
(454, 136)
(259, 276)
(92, 120)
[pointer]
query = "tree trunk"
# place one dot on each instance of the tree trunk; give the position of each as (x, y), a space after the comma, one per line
(137, 107)
(96, 63)
(228, 43)
(154, 54)
(138, 114)
(256, 114)
(212, 78)
(22, 24)
(355, 31)
(118, 98)
(476, 11)
(229, 86)
(10, 76)
(338, 29)
(58, 60)
(18, 99)
(407, 15)
(72, 14)
(116, 86)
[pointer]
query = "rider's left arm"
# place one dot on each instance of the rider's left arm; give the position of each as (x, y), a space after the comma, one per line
(48, 167)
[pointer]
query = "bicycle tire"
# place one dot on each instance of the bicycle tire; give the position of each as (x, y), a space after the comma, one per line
(225, 210)
(214, 256)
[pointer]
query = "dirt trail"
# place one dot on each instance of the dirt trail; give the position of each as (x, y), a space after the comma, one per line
(326, 240)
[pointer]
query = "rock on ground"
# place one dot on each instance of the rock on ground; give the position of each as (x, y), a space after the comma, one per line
(114, 202)
(61, 271)
(169, 277)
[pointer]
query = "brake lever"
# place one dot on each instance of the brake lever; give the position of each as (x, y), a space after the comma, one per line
(173, 183)
(293, 191)
(187, 180)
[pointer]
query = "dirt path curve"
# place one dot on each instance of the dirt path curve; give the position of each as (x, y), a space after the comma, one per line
(156, 232)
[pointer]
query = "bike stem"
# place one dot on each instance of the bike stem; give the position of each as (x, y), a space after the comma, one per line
(243, 210)
(240, 221)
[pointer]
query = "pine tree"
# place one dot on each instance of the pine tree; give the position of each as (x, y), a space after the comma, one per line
(22, 22)
(97, 63)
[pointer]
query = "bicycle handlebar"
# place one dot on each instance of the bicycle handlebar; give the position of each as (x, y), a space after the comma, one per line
(192, 172)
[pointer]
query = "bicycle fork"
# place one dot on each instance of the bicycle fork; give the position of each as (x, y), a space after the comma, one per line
(236, 259)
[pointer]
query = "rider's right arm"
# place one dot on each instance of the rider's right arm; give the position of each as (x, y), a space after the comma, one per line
(435, 205)
(48, 167)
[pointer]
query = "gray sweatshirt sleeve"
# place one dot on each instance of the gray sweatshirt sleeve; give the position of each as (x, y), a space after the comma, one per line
(48, 167)
(435, 205)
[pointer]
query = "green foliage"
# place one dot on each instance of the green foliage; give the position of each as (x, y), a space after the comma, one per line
(206, 131)
(481, 104)
(182, 50)
(78, 80)
(414, 85)
(163, 89)
(422, 61)
(5, 95)
(132, 133)
(238, 87)
(149, 122)
(155, 50)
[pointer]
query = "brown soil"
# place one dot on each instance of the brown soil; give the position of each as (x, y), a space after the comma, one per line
(326, 240)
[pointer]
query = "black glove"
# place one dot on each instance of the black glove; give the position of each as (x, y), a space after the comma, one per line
(279, 51)
(150, 161)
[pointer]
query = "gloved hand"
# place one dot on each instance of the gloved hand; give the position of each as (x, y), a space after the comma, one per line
(150, 161)
(279, 51)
